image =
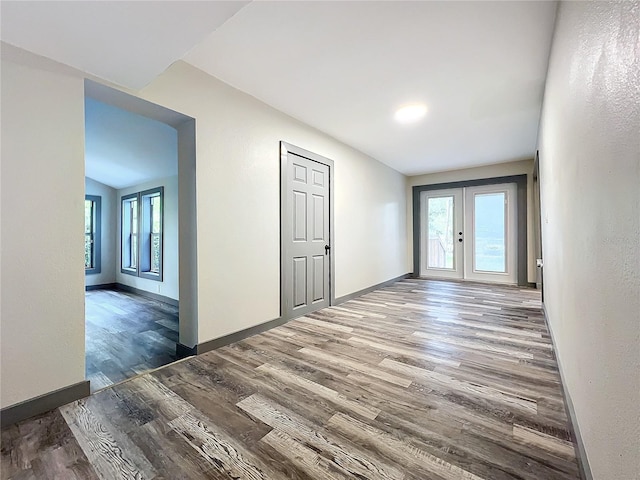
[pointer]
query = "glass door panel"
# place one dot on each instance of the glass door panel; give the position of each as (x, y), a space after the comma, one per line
(440, 232)
(489, 249)
(441, 225)
(490, 228)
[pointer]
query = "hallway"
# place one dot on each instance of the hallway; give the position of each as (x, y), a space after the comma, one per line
(422, 379)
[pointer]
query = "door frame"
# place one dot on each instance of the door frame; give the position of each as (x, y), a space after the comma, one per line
(537, 224)
(521, 209)
(285, 150)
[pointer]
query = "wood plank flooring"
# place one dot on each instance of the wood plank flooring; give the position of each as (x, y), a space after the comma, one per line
(420, 380)
(125, 335)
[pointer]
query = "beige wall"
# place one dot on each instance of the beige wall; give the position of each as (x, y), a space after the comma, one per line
(237, 181)
(590, 181)
(477, 173)
(42, 345)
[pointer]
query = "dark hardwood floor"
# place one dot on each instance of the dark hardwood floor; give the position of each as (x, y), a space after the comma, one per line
(420, 380)
(126, 335)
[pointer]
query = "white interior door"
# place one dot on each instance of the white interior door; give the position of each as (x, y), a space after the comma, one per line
(441, 233)
(490, 226)
(469, 233)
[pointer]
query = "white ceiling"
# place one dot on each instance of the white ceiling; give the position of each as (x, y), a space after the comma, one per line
(126, 42)
(123, 149)
(342, 67)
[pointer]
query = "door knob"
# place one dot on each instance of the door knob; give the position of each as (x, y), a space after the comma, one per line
(460, 240)
(326, 249)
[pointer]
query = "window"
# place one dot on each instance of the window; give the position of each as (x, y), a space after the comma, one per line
(142, 218)
(156, 237)
(130, 234)
(92, 234)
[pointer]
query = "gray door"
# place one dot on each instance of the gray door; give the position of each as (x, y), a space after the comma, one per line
(305, 234)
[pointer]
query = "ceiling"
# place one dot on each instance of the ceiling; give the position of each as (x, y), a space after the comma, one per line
(128, 43)
(341, 67)
(123, 149)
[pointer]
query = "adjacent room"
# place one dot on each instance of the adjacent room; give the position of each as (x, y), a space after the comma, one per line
(131, 243)
(320, 240)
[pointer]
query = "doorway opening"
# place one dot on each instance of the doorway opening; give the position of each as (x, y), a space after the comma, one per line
(306, 232)
(472, 230)
(537, 225)
(140, 235)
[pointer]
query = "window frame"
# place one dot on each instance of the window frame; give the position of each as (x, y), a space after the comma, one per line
(126, 231)
(152, 233)
(144, 234)
(96, 232)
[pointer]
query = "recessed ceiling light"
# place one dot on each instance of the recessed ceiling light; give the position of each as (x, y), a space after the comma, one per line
(410, 113)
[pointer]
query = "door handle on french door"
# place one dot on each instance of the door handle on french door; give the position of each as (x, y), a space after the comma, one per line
(460, 240)
(326, 249)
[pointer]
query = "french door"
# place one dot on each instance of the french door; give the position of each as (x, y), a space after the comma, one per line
(469, 233)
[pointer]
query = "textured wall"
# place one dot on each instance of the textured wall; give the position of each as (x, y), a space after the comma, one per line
(590, 180)
(42, 232)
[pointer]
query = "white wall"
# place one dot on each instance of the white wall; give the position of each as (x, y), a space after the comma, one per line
(237, 187)
(42, 232)
(108, 224)
(489, 171)
(590, 182)
(168, 287)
